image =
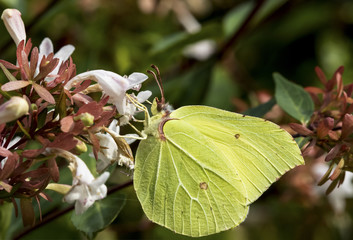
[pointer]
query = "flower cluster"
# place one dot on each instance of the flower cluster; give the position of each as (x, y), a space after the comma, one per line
(331, 126)
(46, 105)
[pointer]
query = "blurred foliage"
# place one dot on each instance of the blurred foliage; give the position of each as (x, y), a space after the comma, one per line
(291, 37)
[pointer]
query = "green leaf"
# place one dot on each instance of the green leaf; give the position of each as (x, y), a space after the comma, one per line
(301, 141)
(293, 99)
(60, 107)
(100, 215)
(9, 76)
(233, 20)
(261, 109)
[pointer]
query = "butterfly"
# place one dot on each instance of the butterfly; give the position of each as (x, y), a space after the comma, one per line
(200, 167)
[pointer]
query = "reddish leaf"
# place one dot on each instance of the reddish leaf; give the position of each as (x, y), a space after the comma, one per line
(321, 75)
(28, 47)
(314, 90)
(4, 152)
(333, 81)
(309, 147)
(45, 196)
(67, 124)
(44, 93)
(92, 108)
(46, 66)
(336, 173)
(82, 86)
(53, 169)
(81, 99)
(22, 167)
(64, 141)
(333, 152)
(347, 126)
(95, 144)
(105, 119)
(32, 153)
(8, 65)
(19, 53)
(349, 89)
(301, 129)
(349, 110)
(9, 166)
(324, 127)
(339, 84)
(14, 85)
(25, 65)
(334, 135)
(104, 101)
(34, 61)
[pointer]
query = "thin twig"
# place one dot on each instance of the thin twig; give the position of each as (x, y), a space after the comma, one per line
(55, 215)
(227, 45)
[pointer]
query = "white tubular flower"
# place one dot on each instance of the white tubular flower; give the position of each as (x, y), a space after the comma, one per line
(109, 151)
(85, 188)
(14, 108)
(45, 48)
(14, 24)
(114, 85)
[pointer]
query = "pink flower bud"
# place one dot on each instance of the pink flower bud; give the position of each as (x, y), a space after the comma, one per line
(13, 109)
(14, 24)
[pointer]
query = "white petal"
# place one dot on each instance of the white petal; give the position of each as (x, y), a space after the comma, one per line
(99, 181)
(136, 78)
(65, 52)
(143, 96)
(83, 174)
(74, 194)
(46, 47)
(114, 126)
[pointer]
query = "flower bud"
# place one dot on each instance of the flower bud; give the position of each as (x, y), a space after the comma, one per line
(86, 118)
(14, 24)
(80, 147)
(13, 109)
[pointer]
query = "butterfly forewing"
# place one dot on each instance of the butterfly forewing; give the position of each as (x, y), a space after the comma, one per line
(259, 150)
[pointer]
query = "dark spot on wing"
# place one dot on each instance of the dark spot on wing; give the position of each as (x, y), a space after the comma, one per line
(203, 185)
(237, 136)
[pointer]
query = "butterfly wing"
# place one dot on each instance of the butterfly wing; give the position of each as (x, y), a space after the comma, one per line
(183, 183)
(259, 150)
(211, 164)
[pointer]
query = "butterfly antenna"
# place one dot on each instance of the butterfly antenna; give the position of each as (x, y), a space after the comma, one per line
(158, 79)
